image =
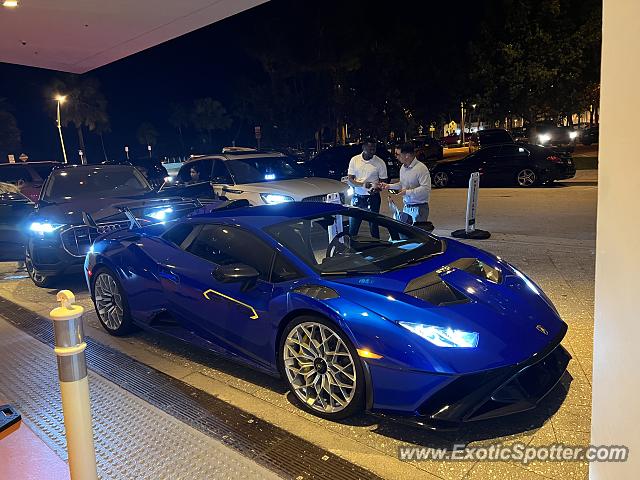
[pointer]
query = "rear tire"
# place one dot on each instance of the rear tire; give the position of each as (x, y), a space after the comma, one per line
(325, 374)
(527, 177)
(111, 303)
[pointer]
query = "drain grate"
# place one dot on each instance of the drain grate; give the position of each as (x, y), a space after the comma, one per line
(269, 445)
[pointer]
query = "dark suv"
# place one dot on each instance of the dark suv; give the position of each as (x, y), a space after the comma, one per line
(490, 136)
(334, 162)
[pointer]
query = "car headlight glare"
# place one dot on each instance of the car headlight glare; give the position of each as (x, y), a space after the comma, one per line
(544, 137)
(443, 336)
(43, 227)
(161, 214)
(573, 135)
(274, 198)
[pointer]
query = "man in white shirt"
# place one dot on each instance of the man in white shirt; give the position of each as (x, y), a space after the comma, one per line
(414, 185)
(366, 173)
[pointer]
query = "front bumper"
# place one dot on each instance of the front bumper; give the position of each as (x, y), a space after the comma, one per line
(448, 401)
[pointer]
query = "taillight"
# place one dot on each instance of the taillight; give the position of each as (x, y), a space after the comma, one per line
(554, 158)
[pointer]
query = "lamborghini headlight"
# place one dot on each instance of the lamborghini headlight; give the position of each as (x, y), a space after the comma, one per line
(443, 336)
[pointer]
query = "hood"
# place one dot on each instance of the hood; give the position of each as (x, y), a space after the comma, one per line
(100, 209)
(505, 314)
(298, 188)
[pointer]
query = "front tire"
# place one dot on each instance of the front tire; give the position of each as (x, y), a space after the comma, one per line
(322, 368)
(111, 303)
(38, 279)
(441, 179)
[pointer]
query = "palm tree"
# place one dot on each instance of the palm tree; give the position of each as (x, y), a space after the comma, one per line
(85, 105)
(10, 137)
(101, 129)
(147, 134)
(209, 115)
(179, 119)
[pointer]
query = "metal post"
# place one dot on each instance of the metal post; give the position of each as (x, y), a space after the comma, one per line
(74, 386)
(469, 230)
(64, 152)
(462, 124)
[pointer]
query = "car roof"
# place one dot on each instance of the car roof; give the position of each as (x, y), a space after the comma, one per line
(66, 166)
(236, 156)
(265, 215)
(42, 162)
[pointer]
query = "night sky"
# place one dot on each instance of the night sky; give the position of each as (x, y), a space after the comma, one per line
(210, 62)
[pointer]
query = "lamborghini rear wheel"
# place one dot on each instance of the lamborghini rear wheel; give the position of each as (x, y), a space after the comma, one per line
(111, 303)
(322, 368)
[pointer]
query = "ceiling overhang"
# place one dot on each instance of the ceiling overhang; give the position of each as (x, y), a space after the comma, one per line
(78, 36)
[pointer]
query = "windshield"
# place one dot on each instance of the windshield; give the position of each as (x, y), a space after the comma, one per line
(95, 182)
(323, 243)
(263, 169)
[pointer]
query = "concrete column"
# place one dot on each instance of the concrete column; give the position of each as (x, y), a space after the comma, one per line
(616, 363)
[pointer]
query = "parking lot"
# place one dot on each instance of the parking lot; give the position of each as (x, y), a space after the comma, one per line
(547, 232)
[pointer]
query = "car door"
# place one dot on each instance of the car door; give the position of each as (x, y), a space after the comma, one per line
(509, 161)
(185, 185)
(221, 180)
(235, 315)
(488, 163)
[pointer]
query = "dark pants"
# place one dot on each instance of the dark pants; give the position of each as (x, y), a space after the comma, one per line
(368, 202)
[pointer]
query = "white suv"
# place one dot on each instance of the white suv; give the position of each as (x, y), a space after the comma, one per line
(261, 178)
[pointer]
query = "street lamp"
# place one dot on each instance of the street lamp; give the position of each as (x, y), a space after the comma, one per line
(60, 99)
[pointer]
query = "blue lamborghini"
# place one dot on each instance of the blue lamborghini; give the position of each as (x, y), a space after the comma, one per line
(405, 324)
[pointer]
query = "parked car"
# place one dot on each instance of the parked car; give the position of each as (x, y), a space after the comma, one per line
(451, 140)
(560, 138)
(258, 177)
(78, 204)
(590, 135)
(409, 323)
(28, 176)
(14, 210)
(428, 150)
(518, 164)
(334, 162)
(520, 134)
(490, 136)
(152, 168)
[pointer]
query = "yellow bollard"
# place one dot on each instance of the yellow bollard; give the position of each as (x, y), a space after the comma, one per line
(74, 386)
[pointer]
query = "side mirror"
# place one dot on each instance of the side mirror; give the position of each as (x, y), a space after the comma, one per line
(236, 272)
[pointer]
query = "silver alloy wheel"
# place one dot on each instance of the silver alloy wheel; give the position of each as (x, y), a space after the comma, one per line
(319, 367)
(440, 179)
(108, 301)
(526, 177)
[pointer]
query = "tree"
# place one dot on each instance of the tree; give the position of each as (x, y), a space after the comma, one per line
(147, 134)
(537, 58)
(10, 136)
(179, 119)
(103, 128)
(85, 105)
(208, 115)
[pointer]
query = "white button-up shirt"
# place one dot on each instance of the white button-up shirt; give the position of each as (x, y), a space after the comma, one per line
(416, 181)
(372, 170)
